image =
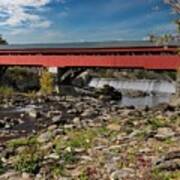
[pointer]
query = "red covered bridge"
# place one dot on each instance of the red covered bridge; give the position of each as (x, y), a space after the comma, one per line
(135, 54)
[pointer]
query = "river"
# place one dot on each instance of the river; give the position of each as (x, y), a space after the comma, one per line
(159, 91)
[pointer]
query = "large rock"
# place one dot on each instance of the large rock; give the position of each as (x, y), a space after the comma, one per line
(171, 165)
(109, 92)
(164, 133)
(170, 161)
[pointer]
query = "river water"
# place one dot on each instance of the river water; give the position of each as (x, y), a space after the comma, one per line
(159, 91)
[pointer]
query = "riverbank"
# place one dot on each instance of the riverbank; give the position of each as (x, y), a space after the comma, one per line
(86, 137)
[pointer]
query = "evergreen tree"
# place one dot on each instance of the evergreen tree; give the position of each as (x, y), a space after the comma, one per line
(2, 41)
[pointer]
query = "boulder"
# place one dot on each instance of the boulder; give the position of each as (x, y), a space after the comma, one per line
(164, 133)
(109, 92)
(57, 119)
(33, 113)
(45, 137)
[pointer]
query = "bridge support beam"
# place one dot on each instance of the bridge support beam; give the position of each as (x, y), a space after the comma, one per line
(64, 79)
(67, 75)
(2, 71)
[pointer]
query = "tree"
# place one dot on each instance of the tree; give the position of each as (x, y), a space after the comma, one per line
(2, 41)
(2, 68)
(175, 4)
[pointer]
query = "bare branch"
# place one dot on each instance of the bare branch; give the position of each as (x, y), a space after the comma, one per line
(175, 4)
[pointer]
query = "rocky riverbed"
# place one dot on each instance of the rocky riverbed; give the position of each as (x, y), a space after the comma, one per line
(87, 138)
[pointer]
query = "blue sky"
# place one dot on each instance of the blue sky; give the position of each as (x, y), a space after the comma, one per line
(56, 21)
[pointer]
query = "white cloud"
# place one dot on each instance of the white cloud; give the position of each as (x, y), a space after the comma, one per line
(16, 13)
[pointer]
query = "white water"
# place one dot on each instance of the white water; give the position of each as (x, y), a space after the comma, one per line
(137, 85)
(140, 102)
(162, 90)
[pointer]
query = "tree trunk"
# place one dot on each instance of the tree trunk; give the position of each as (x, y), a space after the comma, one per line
(178, 84)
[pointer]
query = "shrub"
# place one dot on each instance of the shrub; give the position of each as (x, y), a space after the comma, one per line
(6, 91)
(21, 79)
(1, 167)
(46, 82)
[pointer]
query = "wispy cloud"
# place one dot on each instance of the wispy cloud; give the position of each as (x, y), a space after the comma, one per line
(16, 13)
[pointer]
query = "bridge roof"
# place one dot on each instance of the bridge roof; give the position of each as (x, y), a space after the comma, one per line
(81, 45)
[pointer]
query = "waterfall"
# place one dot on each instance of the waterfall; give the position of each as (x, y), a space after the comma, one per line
(157, 86)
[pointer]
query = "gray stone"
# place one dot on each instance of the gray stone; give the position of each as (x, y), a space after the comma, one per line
(122, 174)
(170, 165)
(76, 120)
(26, 176)
(52, 127)
(9, 174)
(33, 113)
(69, 126)
(56, 119)
(45, 137)
(52, 156)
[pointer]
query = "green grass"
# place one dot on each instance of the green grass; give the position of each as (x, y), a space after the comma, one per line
(28, 161)
(158, 122)
(22, 142)
(68, 157)
(77, 139)
(83, 176)
(142, 134)
(165, 175)
(58, 170)
(83, 139)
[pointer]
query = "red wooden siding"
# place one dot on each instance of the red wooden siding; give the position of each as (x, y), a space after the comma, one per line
(166, 62)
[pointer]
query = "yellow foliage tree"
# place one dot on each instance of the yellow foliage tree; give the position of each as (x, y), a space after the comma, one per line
(46, 82)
